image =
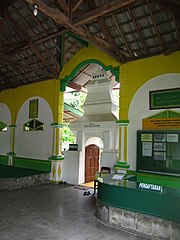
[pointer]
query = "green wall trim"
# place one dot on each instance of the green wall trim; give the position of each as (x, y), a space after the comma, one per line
(73, 110)
(12, 126)
(11, 154)
(67, 79)
(36, 164)
(124, 165)
(77, 38)
(56, 158)
(60, 125)
(122, 122)
(4, 159)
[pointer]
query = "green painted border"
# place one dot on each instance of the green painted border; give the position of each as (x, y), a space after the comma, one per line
(4, 159)
(121, 165)
(12, 126)
(67, 79)
(77, 38)
(36, 164)
(122, 122)
(57, 158)
(11, 154)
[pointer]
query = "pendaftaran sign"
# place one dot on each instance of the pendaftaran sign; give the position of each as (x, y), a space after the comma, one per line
(152, 187)
(161, 123)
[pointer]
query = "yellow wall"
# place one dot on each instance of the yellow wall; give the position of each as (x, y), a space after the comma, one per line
(84, 54)
(134, 74)
(48, 90)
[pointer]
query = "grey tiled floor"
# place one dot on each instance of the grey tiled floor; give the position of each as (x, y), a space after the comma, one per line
(53, 212)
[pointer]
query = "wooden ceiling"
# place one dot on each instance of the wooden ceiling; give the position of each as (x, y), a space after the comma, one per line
(35, 48)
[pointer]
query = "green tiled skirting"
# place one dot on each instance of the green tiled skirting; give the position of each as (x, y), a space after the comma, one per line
(4, 159)
(41, 165)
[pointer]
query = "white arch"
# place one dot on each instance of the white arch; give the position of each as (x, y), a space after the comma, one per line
(5, 116)
(34, 144)
(139, 108)
(94, 140)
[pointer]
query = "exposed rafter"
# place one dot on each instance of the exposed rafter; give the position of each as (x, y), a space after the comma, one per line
(105, 9)
(33, 46)
(25, 66)
(155, 25)
(76, 5)
(106, 32)
(172, 6)
(59, 17)
(137, 28)
(62, 5)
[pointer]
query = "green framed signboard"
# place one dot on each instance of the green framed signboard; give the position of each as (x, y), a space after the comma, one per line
(168, 98)
(33, 108)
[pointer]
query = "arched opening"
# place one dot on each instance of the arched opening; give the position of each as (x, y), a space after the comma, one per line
(96, 132)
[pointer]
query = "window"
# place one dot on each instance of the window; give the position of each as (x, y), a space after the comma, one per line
(33, 125)
(3, 127)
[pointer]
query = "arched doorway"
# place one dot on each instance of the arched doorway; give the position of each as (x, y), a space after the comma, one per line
(91, 162)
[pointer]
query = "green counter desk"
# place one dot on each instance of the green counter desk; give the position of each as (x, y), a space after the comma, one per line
(139, 207)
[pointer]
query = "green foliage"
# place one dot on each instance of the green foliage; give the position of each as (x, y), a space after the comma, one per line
(75, 99)
(67, 135)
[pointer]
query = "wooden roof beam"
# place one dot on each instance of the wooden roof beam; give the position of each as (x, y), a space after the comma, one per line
(155, 25)
(24, 44)
(137, 28)
(75, 86)
(76, 5)
(123, 35)
(104, 9)
(171, 6)
(33, 46)
(62, 19)
(62, 5)
(27, 67)
(107, 33)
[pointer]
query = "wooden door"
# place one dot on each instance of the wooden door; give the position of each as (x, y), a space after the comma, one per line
(91, 162)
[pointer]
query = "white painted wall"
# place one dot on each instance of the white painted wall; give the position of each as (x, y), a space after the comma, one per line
(70, 167)
(139, 108)
(5, 116)
(34, 144)
(73, 169)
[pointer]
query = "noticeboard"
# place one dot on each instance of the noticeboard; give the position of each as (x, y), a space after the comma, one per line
(158, 151)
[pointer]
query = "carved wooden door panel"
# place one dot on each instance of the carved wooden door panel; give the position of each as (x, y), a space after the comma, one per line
(91, 162)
